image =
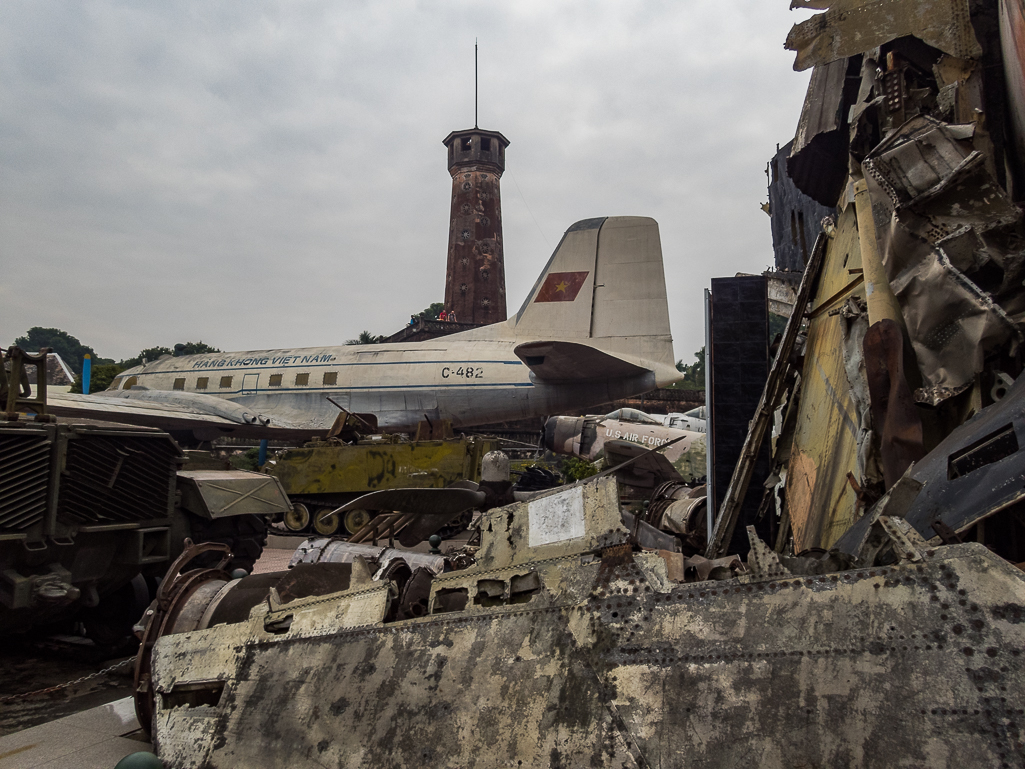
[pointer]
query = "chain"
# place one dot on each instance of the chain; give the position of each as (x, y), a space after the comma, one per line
(58, 687)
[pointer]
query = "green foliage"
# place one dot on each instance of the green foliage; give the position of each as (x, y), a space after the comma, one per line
(99, 379)
(246, 460)
(182, 348)
(65, 345)
(575, 469)
(694, 374)
(432, 312)
(365, 337)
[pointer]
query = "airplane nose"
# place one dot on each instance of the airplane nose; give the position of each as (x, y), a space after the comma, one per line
(561, 433)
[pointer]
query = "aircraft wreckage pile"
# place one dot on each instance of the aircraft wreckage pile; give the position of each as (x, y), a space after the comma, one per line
(565, 641)
(885, 626)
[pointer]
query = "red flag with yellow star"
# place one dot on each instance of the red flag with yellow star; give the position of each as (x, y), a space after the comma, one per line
(561, 286)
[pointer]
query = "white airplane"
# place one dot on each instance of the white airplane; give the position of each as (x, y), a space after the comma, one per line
(594, 328)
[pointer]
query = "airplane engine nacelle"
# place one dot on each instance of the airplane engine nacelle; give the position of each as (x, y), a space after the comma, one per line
(570, 435)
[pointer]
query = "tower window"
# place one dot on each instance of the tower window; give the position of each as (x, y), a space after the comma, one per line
(485, 144)
(467, 146)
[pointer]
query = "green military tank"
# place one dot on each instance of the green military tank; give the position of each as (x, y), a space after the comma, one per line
(323, 475)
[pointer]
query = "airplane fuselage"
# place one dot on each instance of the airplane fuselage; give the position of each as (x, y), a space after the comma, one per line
(468, 382)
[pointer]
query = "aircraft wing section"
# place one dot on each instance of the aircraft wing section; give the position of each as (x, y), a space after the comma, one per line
(568, 361)
(175, 414)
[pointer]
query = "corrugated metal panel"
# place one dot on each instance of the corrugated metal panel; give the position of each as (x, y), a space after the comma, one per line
(24, 479)
(117, 479)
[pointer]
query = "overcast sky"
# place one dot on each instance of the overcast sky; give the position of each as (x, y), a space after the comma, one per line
(268, 174)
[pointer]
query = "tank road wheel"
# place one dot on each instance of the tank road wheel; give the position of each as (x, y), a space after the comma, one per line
(356, 520)
(299, 517)
(326, 527)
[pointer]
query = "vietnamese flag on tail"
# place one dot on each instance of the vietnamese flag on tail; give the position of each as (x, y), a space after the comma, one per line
(561, 286)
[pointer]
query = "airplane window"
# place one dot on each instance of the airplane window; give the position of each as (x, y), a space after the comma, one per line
(179, 384)
(301, 380)
(225, 381)
(330, 377)
(116, 384)
(202, 382)
(275, 380)
(130, 382)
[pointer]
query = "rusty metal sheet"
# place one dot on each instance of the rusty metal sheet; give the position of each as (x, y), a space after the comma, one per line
(853, 26)
(950, 240)
(894, 414)
(817, 163)
(820, 503)
(1012, 49)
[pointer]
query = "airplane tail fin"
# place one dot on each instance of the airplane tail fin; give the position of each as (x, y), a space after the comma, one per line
(604, 289)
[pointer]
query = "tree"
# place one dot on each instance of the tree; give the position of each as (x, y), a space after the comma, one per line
(99, 379)
(104, 371)
(68, 347)
(365, 337)
(182, 348)
(193, 348)
(694, 374)
(432, 312)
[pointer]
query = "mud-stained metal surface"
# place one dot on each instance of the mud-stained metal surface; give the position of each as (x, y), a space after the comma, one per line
(821, 502)
(849, 27)
(342, 469)
(578, 652)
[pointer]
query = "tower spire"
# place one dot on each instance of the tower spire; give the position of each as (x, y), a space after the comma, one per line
(475, 82)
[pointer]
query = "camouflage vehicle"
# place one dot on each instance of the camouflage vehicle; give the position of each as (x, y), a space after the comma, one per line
(324, 475)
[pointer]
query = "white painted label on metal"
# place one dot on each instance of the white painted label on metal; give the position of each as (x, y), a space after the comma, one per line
(557, 518)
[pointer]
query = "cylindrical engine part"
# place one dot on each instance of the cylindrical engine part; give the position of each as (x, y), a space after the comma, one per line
(494, 467)
(325, 550)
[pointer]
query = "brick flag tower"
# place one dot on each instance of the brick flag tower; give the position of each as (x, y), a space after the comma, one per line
(475, 276)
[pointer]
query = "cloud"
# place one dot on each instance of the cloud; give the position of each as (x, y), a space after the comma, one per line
(271, 174)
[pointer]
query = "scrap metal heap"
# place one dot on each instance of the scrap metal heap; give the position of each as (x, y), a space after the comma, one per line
(901, 381)
(566, 644)
(870, 635)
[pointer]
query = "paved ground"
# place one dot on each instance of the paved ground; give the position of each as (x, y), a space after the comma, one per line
(90, 724)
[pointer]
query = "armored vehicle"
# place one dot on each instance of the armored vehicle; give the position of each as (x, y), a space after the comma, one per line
(92, 514)
(323, 475)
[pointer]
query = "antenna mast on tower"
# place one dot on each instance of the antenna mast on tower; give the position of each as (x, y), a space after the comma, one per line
(475, 82)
